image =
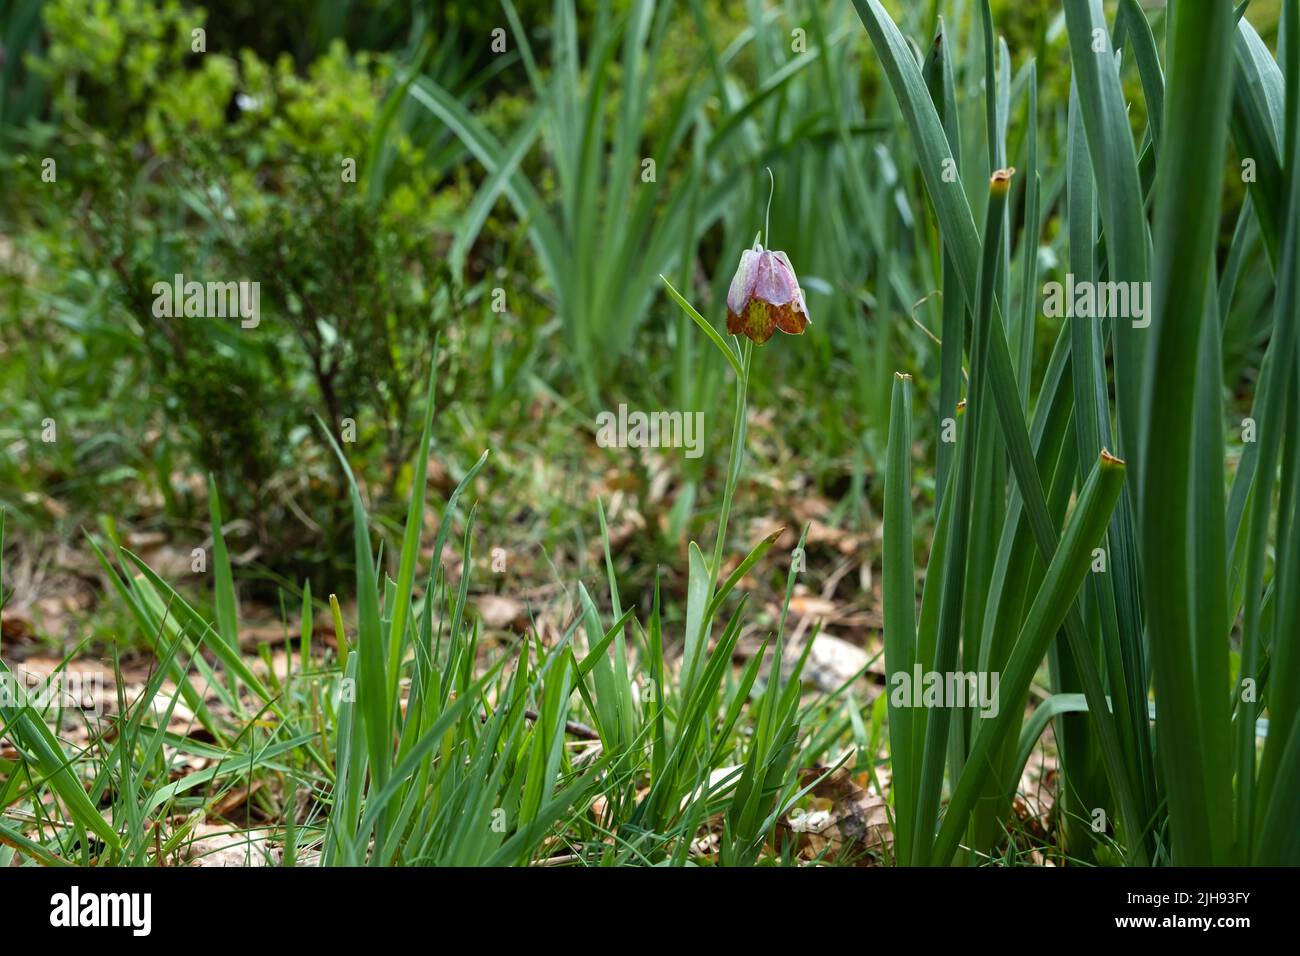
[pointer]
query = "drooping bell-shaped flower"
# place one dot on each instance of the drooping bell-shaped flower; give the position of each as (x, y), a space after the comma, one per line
(765, 296)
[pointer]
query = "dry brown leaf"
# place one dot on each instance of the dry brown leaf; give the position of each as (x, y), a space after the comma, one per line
(237, 803)
(16, 624)
(845, 819)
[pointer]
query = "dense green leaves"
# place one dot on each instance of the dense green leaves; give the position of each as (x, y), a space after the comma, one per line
(1159, 564)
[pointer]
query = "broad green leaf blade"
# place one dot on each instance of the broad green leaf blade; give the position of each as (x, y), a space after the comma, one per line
(1197, 770)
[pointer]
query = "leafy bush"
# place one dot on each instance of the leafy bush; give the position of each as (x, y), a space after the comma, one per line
(226, 168)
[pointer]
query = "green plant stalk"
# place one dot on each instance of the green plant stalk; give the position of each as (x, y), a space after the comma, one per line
(735, 459)
(1110, 143)
(1189, 674)
(954, 214)
(939, 80)
(1092, 433)
(1065, 575)
(1018, 572)
(1103, 116)
(741, 361)
(1117, 600)
(950, 612)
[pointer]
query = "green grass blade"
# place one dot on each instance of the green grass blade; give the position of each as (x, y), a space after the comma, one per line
(223, 588)
(900, 608)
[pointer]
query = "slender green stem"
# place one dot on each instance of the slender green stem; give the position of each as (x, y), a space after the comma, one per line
(734, 461)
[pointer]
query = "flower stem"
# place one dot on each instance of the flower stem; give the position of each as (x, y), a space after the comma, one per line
(734, 461)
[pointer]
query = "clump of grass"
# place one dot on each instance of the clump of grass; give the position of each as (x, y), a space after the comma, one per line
(401, 749)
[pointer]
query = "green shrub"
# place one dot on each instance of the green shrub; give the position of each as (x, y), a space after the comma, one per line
(223, 167)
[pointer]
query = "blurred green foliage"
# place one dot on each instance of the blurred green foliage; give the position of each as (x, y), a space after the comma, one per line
(221, 168)
(233, 164)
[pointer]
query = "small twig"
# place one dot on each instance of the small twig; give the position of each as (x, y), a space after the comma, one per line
(571, 727)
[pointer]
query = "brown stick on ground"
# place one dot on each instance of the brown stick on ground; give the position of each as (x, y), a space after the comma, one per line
(571, 727)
